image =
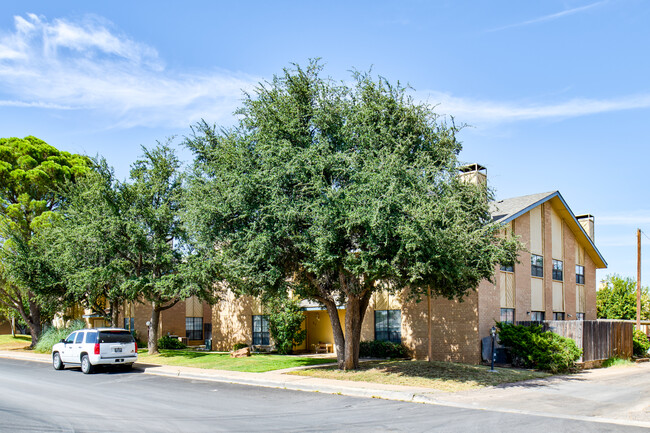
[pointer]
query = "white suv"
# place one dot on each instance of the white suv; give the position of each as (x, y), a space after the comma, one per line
(91, 347)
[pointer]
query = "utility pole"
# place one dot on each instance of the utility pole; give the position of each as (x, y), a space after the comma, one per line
(638, 278)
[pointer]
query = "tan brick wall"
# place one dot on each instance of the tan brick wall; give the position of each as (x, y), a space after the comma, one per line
(415, 321)
(454, 325)
(569, 273)
(172, 320)
(489, 305)
(548, 260)
(232, 321)
(454, 329)
(142, 316)
(590, 288)
(522, 271)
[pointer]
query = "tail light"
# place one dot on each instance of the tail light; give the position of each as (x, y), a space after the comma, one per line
(96, 348)
(136, 347)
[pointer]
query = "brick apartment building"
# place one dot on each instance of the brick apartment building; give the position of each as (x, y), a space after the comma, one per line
(554, 279)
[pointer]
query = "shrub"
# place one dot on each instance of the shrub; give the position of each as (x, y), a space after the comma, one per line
(53, 335)
(167, 342)
(285, 323)
(382, 349)
(238, 346)
(641, 343)
(532, 347)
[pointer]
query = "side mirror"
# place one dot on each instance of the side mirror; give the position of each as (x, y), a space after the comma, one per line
(62, 341)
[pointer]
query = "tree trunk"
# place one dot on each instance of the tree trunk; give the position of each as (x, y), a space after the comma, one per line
(13, 327)
(34, 321)
(152, 344)
(337, 330)
(115, 313)
(352, 333)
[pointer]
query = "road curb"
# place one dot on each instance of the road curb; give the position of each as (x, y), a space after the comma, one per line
(302, 384)
(293, 385)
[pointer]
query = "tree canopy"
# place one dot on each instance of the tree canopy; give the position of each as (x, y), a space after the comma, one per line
(88, 244)
(32, 174)
(165, 265)
(338, 191)
(617, 299)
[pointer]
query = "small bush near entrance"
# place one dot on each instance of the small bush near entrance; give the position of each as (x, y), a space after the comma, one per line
(167, 342)
(53, 335)
(641, 343)
(382, 349)
(238, 346)
(532, 347)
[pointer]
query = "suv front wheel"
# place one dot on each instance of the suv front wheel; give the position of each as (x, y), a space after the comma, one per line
(56, 361)
(86, 366)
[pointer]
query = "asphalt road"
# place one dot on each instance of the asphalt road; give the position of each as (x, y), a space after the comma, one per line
(36, 398)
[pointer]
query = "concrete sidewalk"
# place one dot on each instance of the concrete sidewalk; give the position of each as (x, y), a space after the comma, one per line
(614, 395)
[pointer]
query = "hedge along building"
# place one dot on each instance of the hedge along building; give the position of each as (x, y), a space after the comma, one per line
(555, 278)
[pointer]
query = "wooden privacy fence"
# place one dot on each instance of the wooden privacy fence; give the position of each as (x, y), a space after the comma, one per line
(598, 339)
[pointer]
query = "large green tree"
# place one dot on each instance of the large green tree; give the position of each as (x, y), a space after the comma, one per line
(31, 176)
(88, 244)
(617, 299)
(340, 191)
(165, 265)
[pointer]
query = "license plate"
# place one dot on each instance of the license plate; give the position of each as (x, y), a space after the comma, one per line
(117, 349)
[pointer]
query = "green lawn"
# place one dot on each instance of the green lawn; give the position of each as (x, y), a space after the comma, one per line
(7, 342)
(257, 363)
(444, 376)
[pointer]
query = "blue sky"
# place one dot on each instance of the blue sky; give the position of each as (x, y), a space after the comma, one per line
(556, 93)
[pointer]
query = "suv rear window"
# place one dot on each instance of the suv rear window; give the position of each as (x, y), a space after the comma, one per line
(115, 337)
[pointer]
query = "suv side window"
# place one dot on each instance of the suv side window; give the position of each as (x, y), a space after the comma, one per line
(91, 337)
(70, 338)
(80, 338)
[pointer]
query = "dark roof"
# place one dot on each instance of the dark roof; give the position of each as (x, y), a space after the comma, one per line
(504, 211)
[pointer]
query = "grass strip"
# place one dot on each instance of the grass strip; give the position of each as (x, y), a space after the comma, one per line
(443, 376)
(257, 363)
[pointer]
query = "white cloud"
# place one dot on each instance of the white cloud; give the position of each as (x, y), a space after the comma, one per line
(476, 110)
(88, 66)
(637, 218)
(551, 17)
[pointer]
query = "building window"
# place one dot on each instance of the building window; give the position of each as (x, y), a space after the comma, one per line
(580, 316)
(129, 323)
(557, 270)
(508, 315)
(580, 274)
(536, 265)
(194, 328)
(537, 316)
(261, 335)
(388, 325)
(508, 268)
(558, 316)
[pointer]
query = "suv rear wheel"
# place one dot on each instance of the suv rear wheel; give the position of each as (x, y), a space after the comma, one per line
(86, 366)
(56, 361)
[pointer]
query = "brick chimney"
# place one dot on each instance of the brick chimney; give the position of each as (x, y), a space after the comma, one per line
(473, 173)
(587, 223)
